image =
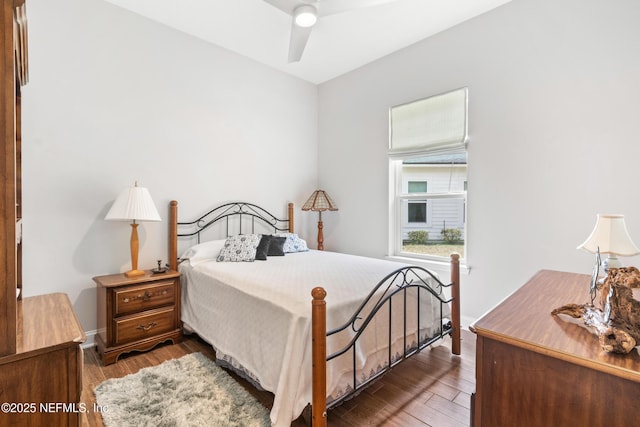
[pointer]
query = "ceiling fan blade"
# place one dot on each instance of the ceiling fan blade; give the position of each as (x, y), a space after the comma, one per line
(331, 7)
(287, 6)
(298, 41)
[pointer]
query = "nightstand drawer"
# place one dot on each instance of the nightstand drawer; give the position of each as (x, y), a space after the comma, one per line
(133, 328)
(133, 299)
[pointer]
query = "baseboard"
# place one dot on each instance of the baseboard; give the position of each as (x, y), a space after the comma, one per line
(91, 339)
(466, 321)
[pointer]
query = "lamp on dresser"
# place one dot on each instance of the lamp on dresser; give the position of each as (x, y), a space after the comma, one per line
(610, 236)
(615, 318)
(134, 204)
(320, 201)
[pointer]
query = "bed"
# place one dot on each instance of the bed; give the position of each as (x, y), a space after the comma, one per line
(312, 327)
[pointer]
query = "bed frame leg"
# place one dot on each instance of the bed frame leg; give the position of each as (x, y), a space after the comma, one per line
(455, 304)
(319, 357)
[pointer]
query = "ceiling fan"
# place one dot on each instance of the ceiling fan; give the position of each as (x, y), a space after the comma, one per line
(305, 14)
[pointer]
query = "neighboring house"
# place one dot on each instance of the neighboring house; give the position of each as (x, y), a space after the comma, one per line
(433, 175)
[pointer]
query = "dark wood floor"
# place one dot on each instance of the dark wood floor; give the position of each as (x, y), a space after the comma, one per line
(430, 389)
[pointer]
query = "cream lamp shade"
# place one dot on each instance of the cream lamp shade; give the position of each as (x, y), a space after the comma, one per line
(134, 204)
(319, 201)
(610, 236)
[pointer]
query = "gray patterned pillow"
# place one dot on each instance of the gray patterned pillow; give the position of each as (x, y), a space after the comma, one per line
(241, 247)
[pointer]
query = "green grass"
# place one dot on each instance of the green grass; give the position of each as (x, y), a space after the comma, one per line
(435, 249)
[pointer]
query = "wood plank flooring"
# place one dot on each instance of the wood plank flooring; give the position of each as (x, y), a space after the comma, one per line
(430, 389)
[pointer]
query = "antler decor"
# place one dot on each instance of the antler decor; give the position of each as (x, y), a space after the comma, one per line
(617, 324)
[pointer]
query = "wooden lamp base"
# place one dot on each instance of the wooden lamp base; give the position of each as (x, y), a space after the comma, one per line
(320, 237)
(135, 245)
(134, 273)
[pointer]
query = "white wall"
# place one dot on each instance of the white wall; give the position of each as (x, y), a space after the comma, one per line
(554, 94)
(114, 98)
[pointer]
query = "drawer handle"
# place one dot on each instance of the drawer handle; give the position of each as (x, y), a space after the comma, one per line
(147, 296)
(146, 328)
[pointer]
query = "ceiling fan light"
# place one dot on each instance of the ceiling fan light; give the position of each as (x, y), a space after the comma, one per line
(305, 16)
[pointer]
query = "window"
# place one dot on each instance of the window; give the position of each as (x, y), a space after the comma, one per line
(417, 186)
(417, 209)
(428, 177)
(417, 212)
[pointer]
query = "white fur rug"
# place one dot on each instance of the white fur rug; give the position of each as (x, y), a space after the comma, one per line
(189, 391)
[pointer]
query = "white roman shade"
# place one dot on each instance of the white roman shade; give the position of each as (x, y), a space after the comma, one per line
(437, 123)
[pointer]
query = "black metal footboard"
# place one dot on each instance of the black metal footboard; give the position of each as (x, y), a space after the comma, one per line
(380, 303)
(397, 291)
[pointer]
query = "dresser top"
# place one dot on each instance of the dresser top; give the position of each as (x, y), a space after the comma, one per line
(44, 323)
(524, 320)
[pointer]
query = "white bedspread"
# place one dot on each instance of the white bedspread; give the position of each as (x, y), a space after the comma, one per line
(259, 314)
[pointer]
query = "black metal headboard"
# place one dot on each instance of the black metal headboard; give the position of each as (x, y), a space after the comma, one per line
(231, 210)
(247, 215)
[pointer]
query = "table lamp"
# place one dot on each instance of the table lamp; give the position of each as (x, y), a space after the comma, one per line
(610, 237)
(134, 204)
(320, 201)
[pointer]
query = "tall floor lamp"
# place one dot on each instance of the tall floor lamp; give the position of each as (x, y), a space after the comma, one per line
(320, 201)
(134, 204)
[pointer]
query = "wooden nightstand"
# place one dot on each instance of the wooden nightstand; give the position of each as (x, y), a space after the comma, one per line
(137, 313)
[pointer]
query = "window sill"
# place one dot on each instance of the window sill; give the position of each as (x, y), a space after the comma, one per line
(442, 267)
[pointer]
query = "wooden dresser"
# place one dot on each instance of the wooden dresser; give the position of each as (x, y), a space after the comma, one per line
(41, 383)
(534, 369)
(137, 313)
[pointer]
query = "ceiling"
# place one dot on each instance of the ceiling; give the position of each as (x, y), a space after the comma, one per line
(338, 43)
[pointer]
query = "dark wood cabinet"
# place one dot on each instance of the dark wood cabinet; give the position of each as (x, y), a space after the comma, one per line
(535, 369)
(137, 313)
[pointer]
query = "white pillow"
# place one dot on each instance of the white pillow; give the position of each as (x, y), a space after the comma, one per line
(204, 251)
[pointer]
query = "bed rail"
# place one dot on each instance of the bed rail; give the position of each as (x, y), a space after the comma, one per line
(223, 214)
(396, 283)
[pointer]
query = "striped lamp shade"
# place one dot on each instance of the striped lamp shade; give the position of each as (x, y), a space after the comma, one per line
(319, 201)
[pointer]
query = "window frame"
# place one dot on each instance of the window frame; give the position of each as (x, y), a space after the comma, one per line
(398, 196)
(425, 127)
